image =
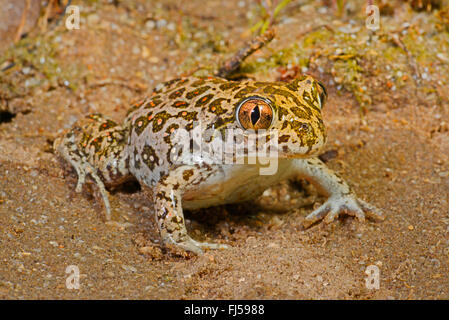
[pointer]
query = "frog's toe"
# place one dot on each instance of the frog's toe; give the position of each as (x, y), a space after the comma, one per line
(189, 244)
(371, 211)
(213, 246)
(80, 182)
(317, 215)
(350, 205)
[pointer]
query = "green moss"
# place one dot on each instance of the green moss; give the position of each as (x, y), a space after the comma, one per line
(321, 35)
(40, 53)
(351, 74)
(292, 55)
(391, 53)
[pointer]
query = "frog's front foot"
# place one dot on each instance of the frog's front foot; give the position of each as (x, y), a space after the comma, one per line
(189, 244)
(348, 204)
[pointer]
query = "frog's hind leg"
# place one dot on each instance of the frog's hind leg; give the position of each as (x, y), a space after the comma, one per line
(67, 147)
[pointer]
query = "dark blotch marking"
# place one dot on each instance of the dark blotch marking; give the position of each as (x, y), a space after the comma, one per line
(215, 106)
(160, 119)
(204, 100)
(187, 174)
(143, 120)
(148, 152)
(176, 94)
(180, 104)
(169, 130)
(244, 92)
(229, 85)
(284, 138)
(154, 102)
(196, 92)
(107, 125)
(302, 113)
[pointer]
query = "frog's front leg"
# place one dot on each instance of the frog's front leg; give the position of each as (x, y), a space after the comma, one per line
(340, 196)
(168, 194)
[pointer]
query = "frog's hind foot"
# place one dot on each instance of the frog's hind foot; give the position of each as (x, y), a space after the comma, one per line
(189, 244)
(67, 148)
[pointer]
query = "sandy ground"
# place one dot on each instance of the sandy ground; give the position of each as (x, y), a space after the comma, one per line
(395, 155)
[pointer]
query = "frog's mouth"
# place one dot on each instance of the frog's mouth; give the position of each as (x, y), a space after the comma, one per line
(255, 158)
(299, 152)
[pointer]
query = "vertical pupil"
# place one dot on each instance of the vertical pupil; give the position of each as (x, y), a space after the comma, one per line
(255, 115)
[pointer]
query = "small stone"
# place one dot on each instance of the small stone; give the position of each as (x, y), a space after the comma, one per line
(145, 52)
(161, 23)
(150, 24)
(93, 19)
(136, 50)
(54, 243)
(129, 268)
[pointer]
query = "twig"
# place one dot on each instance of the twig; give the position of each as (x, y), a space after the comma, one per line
(46, 15)
(22, 21)
(233, 63)
(411, 60)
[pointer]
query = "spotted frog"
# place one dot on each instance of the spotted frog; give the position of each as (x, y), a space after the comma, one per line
(287, 115)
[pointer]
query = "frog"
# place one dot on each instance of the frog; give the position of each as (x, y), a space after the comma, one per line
(287, 114)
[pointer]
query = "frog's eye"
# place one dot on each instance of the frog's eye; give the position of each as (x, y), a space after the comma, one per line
(254, 113)
(322, 93)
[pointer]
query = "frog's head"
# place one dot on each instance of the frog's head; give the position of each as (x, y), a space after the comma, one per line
(291, 110)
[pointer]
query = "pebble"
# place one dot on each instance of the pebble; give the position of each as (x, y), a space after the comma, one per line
(93, 19)
(129, 268)
(171, 26)
(136, 50)
(161, 23)
(150, 24)
(273, 245)
(53, 243)
(145, 52)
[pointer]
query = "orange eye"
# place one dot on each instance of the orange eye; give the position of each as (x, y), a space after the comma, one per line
(255, 113)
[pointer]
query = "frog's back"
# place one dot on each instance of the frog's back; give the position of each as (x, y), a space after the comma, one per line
(185, 102)
(176, 104)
